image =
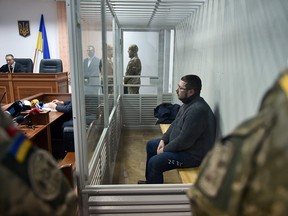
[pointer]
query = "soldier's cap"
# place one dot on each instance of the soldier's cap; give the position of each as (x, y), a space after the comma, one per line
(133, 47)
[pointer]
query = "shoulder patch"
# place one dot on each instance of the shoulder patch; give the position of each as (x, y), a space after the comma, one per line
(45, 177)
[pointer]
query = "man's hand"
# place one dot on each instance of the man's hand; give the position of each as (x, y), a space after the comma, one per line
(51, 105)
(58, 102)
(160, 147)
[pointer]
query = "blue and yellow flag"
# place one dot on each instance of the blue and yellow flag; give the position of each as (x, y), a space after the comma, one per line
(42, 42)
(20, 147)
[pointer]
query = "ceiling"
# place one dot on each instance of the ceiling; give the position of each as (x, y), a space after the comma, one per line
(140, 13)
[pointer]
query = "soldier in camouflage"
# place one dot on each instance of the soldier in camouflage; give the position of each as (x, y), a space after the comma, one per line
(245, 174)
(133, 69)
(31, 183)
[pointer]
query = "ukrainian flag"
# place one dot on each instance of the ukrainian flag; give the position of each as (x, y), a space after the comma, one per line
(20, 147)
(42, 48)
(42, 42)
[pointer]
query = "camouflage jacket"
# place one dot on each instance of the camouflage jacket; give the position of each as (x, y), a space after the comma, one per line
(133, 69)
(245, 173)
(31, 182)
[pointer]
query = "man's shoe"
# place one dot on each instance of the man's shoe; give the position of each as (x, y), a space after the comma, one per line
(142, 182)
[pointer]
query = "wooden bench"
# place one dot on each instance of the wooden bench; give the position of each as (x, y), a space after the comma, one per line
(187, 175)
(68, 159)
(67, 166)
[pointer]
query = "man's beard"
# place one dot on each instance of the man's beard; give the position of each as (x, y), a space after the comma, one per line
(186, 99)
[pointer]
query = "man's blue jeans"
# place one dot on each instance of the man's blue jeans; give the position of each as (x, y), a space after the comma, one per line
(157, 164)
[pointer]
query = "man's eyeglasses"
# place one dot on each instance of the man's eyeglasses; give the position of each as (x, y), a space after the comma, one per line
(182, 88)
(8, 60)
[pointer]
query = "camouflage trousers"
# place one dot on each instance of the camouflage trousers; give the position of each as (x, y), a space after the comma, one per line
(133, 90)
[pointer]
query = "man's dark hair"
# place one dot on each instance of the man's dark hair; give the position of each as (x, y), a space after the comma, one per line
(9, 55)
(192, 82)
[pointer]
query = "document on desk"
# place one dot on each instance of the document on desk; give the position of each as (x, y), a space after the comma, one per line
(46, 107)
(49, 109)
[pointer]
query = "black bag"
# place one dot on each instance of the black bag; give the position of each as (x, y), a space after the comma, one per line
(166, 113)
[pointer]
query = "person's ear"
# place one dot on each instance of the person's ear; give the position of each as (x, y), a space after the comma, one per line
(191, 92)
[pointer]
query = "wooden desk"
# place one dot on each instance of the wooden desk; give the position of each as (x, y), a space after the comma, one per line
(22, 85)
(48, 97)
(41, 134)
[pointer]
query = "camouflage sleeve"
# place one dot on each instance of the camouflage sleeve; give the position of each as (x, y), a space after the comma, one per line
(31, 182)
(41, 191)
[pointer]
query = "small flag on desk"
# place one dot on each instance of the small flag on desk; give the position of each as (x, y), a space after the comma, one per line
(42, 47)
(20, 147)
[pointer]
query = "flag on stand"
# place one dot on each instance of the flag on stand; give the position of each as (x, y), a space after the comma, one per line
(42, 47)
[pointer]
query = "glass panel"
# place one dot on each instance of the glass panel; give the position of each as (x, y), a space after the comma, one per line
(98, 73)
(110, 59)
(99, 77)
(148, 53)
(92, 54)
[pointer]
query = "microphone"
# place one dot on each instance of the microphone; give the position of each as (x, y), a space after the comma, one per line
(34, 102)
(20, 119)
(39, 105)
(26, 104)
(32, 112)
(15, 108)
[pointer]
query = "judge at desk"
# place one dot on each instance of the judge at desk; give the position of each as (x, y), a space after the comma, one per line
(11, 66)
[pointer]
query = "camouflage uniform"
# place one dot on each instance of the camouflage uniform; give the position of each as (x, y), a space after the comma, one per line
(133, 69)
(245, 174)
(31, 183)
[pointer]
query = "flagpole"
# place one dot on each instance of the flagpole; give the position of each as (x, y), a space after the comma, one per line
(34, 56)
(38, 45)
(34, 60)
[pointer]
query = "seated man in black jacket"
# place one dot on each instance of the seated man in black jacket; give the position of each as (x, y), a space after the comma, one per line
(11, 65)
(188, 139)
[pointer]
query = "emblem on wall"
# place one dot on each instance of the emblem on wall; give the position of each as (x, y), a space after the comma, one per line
(24, 28)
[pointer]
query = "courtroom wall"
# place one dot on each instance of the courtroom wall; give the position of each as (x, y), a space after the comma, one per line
(238, 48)
(13, 10)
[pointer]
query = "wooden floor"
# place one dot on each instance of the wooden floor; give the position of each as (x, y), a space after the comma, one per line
(131, 159)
